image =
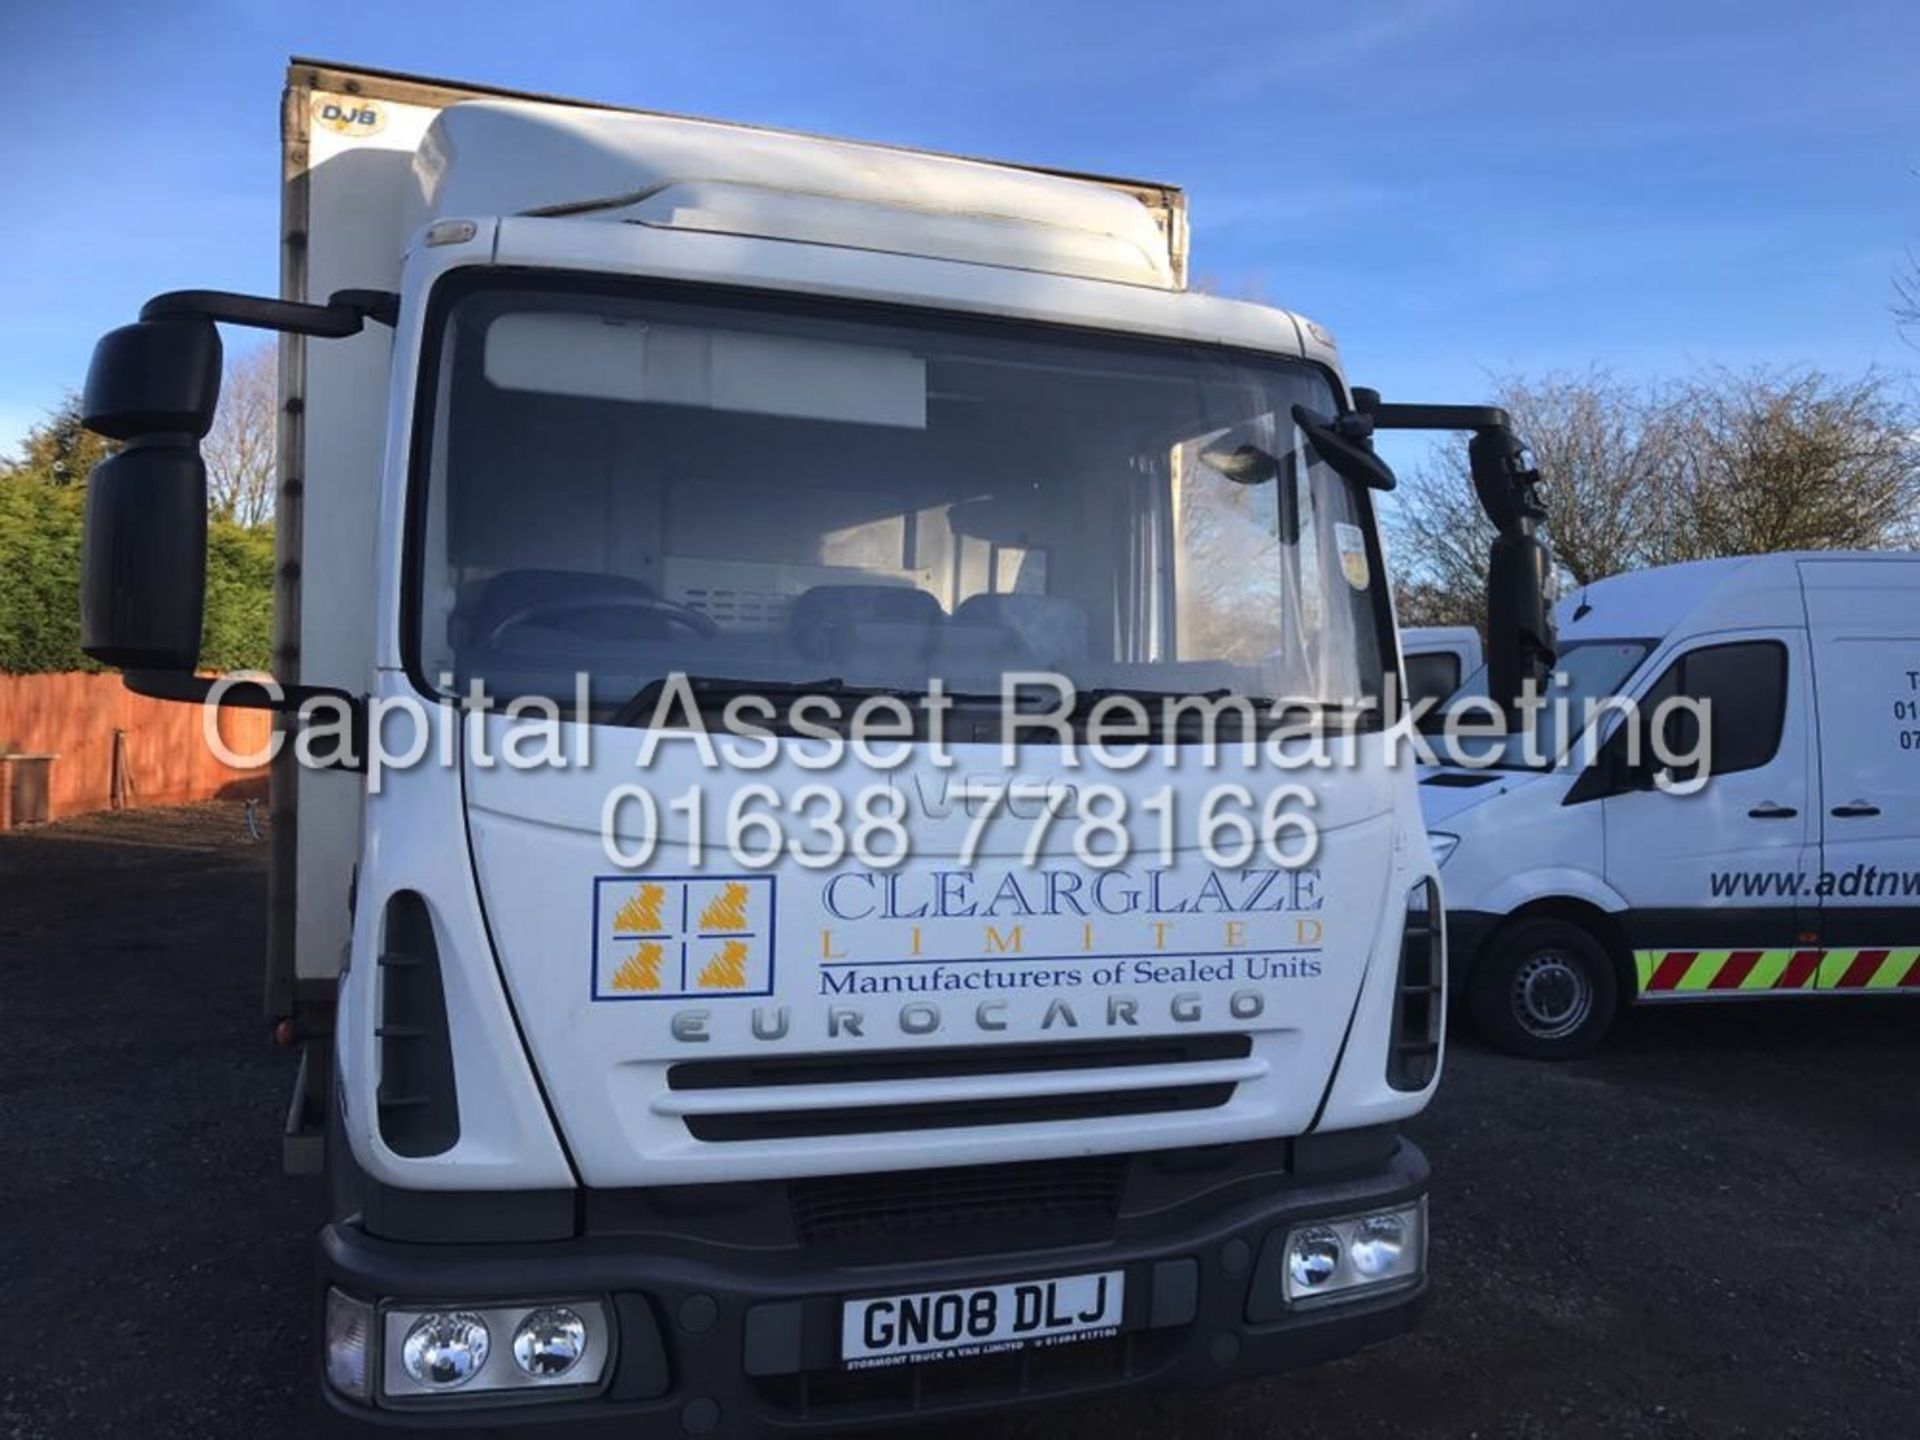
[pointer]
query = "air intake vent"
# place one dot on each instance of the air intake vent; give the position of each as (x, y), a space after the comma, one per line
(419, 1112)
(1086, 1191)
(1419, 1002)
(955, 1062)
(783, 1098)
(1021, 1110)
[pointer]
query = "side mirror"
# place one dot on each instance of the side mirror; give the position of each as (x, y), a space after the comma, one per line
(143, 569)
(143, 566)
(1520, 632)
(1520, 635)
(154, 377)
(1503, 475)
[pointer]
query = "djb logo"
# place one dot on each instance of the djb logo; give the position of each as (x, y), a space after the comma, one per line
(346, 115)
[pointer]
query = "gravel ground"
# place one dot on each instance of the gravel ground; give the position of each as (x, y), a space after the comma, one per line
(1712, 1228)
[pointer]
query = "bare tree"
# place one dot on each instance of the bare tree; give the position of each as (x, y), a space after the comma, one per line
(239, 449)
(1729, 463)
(1437, 542)
(1906, 297)
(1794, 461)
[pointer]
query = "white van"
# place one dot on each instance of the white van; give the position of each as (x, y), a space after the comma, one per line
(1793, 866)
(1436, 659)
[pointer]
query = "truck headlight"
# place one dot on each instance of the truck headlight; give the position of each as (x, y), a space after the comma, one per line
(1313, 1259)
(1356, 1254)
(1379, 1243)
(549, 1342)
(442, 1351)
(494, 1351)
(1442, 845)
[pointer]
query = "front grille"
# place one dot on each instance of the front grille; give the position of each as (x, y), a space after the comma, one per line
(953, 1061)
(711, 1117)
(1086, 1192)
(1023, 1110)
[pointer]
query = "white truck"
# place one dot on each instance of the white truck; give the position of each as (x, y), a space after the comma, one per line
(1783, 861)
(743, 1084)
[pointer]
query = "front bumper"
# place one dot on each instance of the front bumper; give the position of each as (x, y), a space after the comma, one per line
(733, 1341)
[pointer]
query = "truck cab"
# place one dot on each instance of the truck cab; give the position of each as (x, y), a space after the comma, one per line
(1761, 846)
(678, 1051)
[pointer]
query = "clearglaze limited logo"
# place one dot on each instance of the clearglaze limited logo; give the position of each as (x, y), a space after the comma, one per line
(678, 937)
(349, 115)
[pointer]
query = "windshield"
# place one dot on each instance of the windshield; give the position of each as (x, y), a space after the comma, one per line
(765, 491)
(1585, 673)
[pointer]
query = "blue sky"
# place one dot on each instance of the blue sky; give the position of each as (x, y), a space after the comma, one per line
(1454, 187)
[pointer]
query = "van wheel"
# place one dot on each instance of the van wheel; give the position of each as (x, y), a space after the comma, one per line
(1544, 989)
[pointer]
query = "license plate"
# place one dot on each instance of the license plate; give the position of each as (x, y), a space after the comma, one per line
(947, 1324)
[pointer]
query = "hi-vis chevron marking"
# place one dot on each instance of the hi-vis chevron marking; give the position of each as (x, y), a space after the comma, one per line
(1672, 973)
(1871, 969)
(678, 937)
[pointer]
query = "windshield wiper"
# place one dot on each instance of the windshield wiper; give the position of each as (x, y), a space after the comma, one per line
(716, 687)
(1085, 700)
(711, 689)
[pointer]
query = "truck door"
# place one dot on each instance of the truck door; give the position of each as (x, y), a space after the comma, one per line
(1719, 880)
(1864, 616)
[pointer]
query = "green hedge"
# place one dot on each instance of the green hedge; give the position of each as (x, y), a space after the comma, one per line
(40, 585)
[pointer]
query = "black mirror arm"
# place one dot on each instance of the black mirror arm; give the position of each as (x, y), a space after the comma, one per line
(290, 700)
(1345, 442)
(240, 694)
(1516, 506)
(345, 314)
(1428, 417)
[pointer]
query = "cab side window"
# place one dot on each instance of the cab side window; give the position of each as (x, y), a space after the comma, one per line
(1744, 688)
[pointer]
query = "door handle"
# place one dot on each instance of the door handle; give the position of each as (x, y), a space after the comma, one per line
(1767, 810)
(1854, 810)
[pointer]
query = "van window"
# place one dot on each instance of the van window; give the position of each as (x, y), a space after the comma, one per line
(1586, 674)
(1434, 675)
(1745, 688)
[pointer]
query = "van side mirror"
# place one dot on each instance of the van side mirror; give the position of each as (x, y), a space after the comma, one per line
(143, 569)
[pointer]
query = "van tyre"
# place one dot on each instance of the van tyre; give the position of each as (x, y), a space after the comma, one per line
(1545, 989)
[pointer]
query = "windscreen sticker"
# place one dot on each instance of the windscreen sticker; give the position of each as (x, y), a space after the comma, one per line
(1351, 541)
